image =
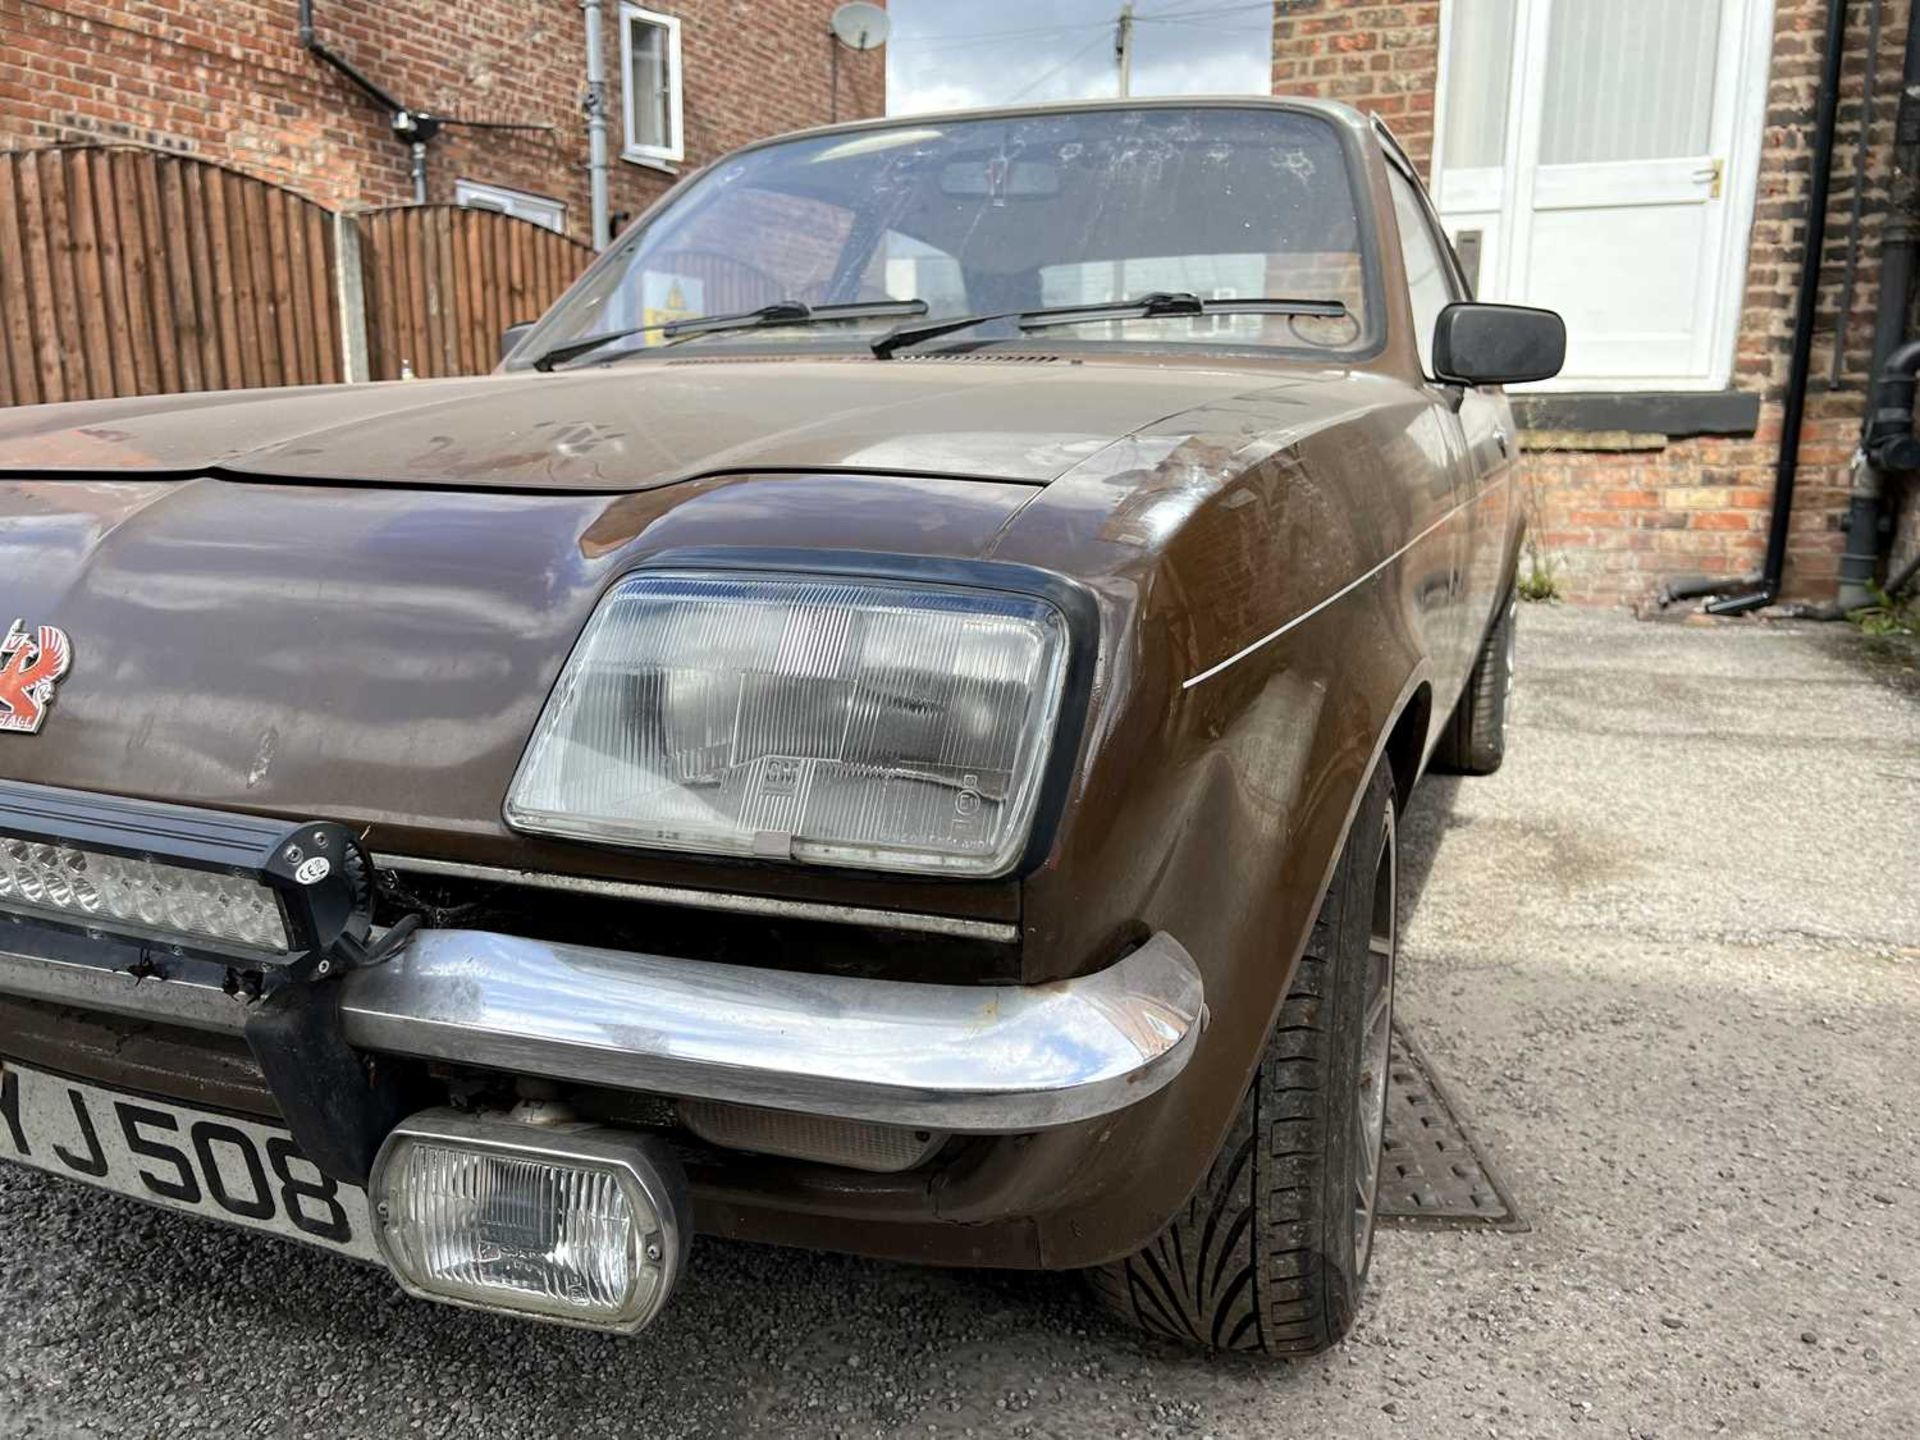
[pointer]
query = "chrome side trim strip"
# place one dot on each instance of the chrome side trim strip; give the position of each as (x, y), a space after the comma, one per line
(1307, 614)
(998, 931)
(983, 1059)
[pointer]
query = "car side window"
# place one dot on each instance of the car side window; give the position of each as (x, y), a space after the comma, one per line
(1429, 281)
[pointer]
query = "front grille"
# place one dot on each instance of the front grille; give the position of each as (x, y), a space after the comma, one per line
(819, 947)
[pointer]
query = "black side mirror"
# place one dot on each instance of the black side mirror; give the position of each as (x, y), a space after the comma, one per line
(511, 337)
(1476, 344)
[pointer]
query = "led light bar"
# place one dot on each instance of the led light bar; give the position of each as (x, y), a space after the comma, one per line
(578, 1224)
(883, 724)
(108, 890)
(271, 894)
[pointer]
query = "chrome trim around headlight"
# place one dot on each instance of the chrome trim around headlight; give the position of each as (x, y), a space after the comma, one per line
(992, 1059)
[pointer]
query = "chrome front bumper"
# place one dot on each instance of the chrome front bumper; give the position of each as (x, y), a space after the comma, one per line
(982, 1059)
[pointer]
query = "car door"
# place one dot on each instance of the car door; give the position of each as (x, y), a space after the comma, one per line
(1486, 425)
(1486, 420)
(1432, 285)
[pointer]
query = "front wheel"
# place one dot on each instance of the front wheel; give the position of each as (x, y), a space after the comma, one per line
(1272, 1252)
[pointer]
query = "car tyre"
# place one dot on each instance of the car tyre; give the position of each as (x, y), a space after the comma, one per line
(1272, 1252)
(1475, 740)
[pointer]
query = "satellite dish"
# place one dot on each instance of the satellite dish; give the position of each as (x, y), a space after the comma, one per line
(860, 26)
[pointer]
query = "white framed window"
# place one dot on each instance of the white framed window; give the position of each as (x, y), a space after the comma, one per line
(476, 195)
(650, 86)
(1600, 158)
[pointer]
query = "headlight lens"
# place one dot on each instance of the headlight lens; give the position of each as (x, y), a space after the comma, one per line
(844, 722)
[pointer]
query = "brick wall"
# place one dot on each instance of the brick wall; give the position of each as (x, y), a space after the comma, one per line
(1616, 514)
(1384, 58)
(227, 80)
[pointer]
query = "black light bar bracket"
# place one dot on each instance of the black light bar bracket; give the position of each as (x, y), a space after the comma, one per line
(338, 1104)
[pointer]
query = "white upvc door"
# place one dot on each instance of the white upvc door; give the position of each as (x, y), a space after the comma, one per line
(1599, 156)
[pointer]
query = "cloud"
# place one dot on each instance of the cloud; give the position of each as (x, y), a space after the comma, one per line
(961, 54)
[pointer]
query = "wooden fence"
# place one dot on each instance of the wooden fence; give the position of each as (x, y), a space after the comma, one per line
(443, 282)
(129, 272)
(126, 271)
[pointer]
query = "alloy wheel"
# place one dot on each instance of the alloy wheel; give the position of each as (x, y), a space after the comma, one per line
(1376, 1045)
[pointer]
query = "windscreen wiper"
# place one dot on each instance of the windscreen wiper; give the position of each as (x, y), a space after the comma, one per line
(780, 312)
(1144, 307)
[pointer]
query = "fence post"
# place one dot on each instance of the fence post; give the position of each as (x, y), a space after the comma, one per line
(350, 293)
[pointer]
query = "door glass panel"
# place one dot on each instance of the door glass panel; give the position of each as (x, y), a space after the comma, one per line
(1628, 80)
(1429, 286)
(1479, 70)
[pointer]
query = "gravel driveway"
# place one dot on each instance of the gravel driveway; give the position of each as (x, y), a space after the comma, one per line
(1669, 961)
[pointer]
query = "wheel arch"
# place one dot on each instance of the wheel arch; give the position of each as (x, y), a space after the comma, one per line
(1406, 742)
(1402, 745)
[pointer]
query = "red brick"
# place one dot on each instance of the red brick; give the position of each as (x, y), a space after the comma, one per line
(1631, 499)
(1720, 520)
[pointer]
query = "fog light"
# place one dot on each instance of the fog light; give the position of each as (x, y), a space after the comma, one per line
(583, 1225)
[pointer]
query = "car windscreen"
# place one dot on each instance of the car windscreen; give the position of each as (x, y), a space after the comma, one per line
(1008, 213)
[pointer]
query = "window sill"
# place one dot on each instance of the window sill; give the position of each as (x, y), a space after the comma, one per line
(652, 162)
(1673, 415)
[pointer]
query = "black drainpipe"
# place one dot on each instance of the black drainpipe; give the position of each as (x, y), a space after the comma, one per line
(318, 49)
(413, 128)
(407, 126)
(1765, 587)
(1886, 439)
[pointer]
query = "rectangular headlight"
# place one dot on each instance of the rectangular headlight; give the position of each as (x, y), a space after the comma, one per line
(89, 887)
(838, 721)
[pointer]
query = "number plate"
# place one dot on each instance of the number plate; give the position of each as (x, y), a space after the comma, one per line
(225, 1168)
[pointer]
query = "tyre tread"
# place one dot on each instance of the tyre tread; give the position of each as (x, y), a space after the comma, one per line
(1242, 1265)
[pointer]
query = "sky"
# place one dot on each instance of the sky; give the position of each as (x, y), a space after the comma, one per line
(956, 54)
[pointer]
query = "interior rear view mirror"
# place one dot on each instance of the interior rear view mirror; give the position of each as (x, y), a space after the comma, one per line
(1479, 344)
(999, 179)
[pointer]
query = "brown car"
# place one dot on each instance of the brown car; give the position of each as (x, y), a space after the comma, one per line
(879, 728)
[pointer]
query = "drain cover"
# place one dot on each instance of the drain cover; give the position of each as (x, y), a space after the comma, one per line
(1432, 1172)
